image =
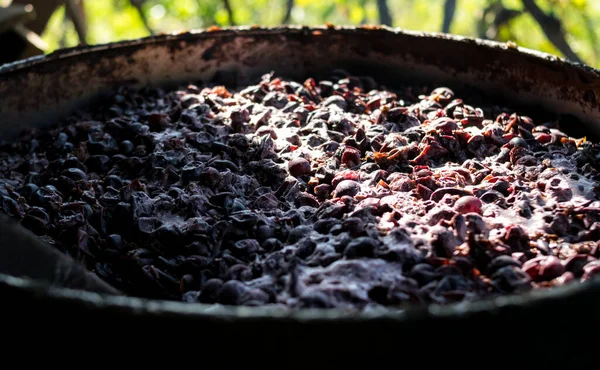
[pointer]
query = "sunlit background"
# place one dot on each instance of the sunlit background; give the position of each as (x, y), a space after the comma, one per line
(560, 26)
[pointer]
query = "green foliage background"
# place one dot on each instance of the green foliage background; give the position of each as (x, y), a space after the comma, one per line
(113, 20)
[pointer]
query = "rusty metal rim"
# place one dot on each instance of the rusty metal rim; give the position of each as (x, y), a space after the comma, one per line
(156, 308)
(257, 31)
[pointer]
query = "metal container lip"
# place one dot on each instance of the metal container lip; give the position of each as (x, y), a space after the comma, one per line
(158, 308)
(216, 32)
(535, 299)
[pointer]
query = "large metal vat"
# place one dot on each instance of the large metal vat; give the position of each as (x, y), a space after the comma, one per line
(541, 327)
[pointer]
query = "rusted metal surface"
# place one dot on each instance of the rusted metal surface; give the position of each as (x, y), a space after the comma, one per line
(38, 91)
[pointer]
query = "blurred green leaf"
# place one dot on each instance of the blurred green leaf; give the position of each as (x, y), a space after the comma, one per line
(328, 12)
